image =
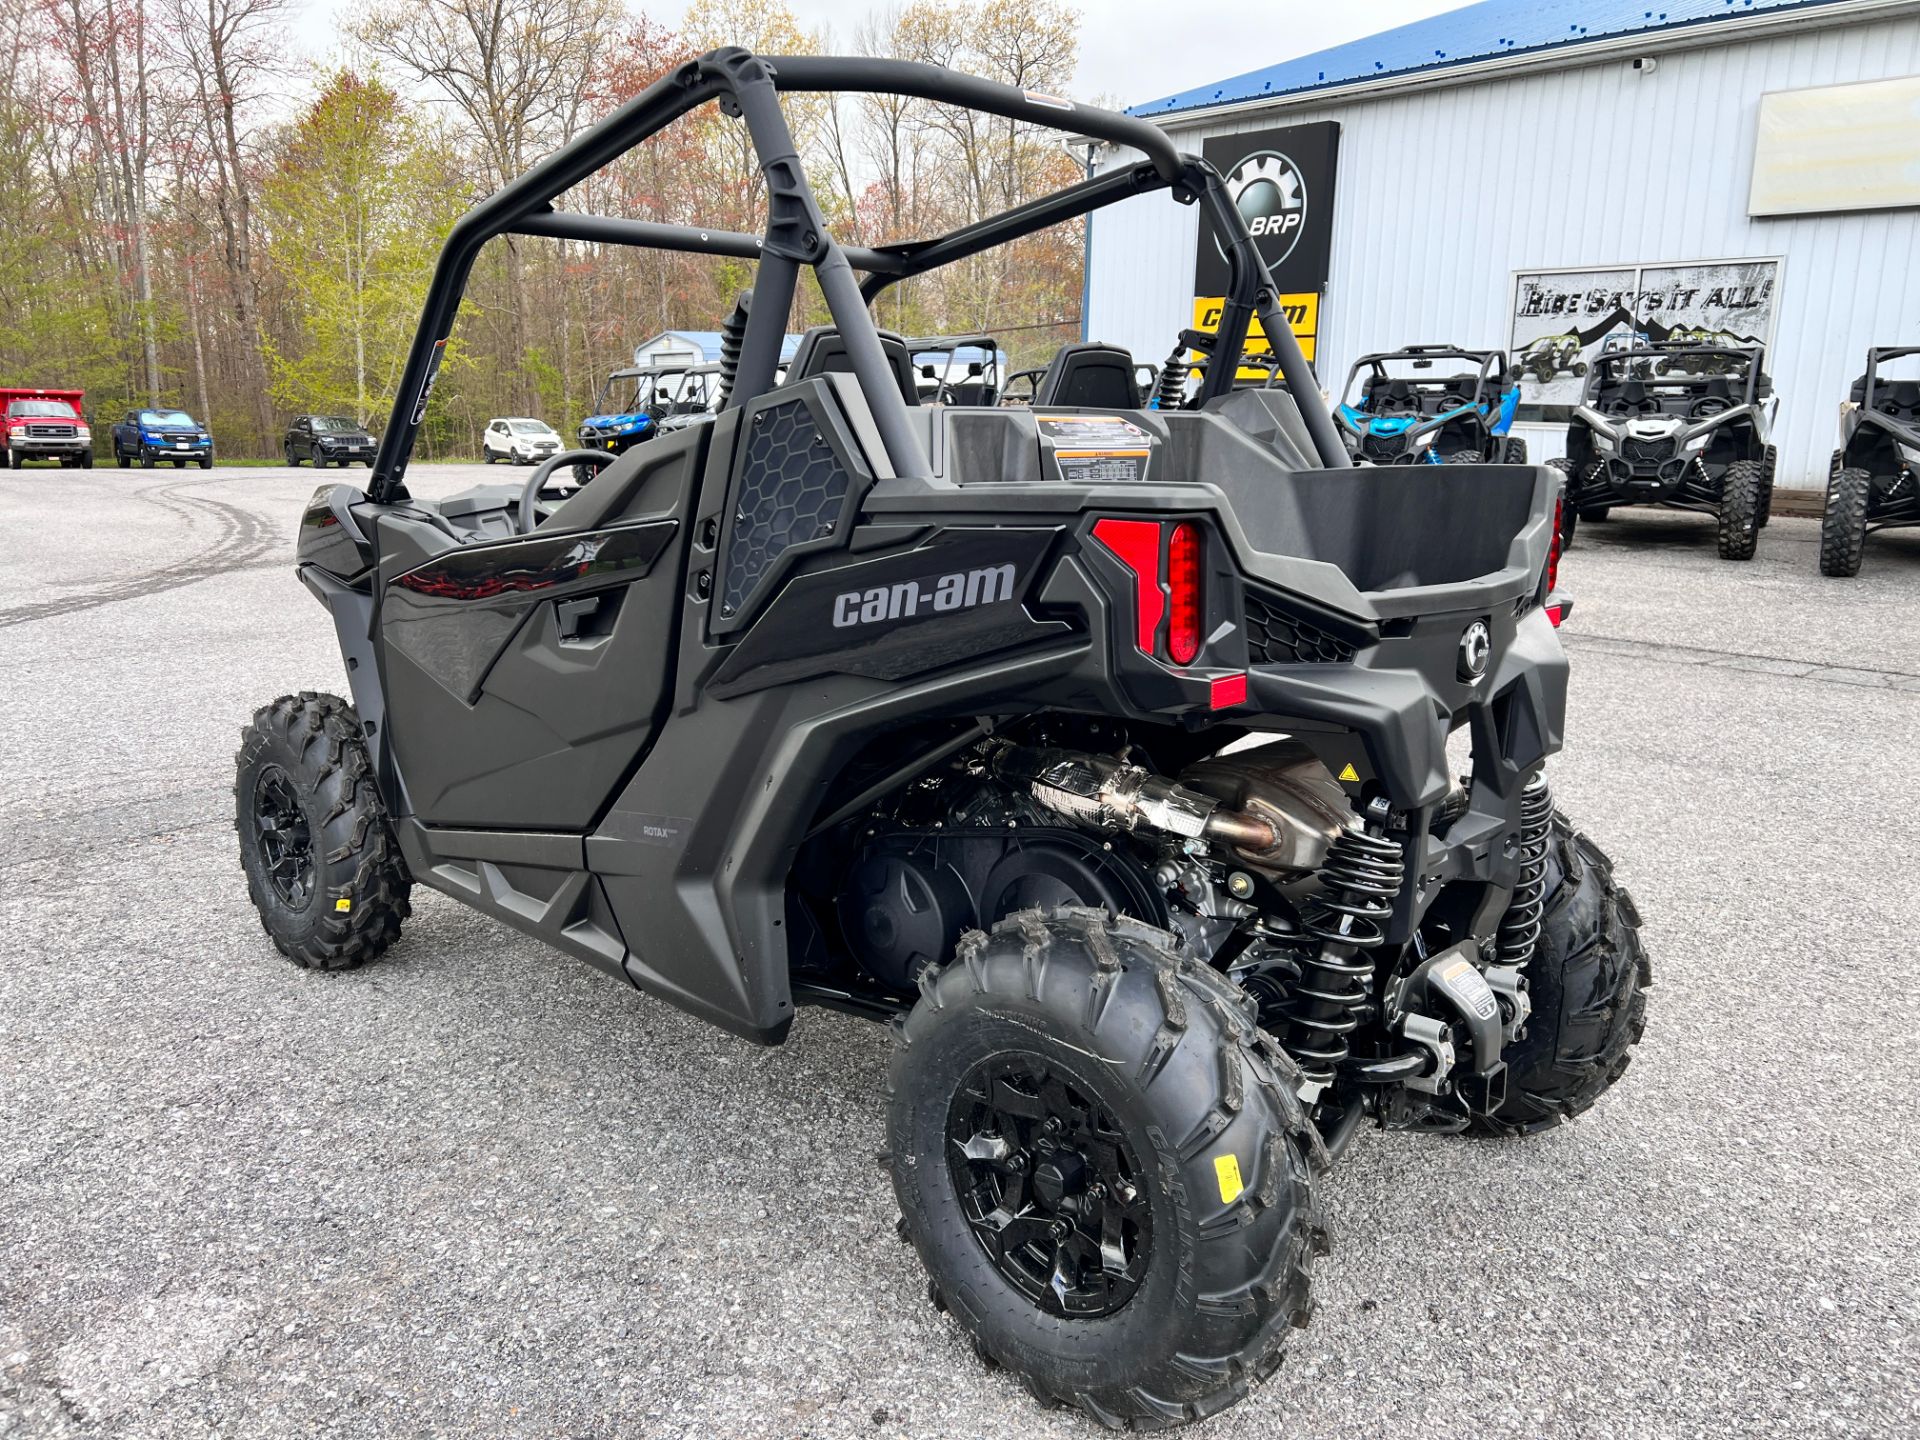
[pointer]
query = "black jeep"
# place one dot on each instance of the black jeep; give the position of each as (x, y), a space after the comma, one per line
(1100, 751)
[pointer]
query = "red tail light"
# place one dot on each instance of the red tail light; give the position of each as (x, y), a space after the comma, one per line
(1553, 553)
(1136, 545)
(1187, 610)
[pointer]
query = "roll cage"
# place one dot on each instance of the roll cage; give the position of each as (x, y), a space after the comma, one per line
(748, 87)
(1870, 380)
(1617, 367)
(1490, 366)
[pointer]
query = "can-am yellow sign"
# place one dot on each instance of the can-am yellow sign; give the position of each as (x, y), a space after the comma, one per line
(1302, 312)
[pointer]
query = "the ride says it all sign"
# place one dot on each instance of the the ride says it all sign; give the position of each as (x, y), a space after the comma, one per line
(1282, 183)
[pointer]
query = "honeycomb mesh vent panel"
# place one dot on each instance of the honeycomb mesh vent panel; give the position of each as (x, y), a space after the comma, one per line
(790, 492)
(1275, 637)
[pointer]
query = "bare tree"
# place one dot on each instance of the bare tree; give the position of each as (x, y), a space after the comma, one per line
(227, 52)
(518, 71)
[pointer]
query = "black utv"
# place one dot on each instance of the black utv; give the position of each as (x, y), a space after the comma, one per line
(1683, 426)
(1875, 480)
(1101, 751)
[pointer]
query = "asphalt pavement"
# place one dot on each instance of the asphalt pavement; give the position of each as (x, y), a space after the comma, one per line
(479, 1189)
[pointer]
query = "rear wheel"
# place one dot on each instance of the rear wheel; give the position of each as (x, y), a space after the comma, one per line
(322, 866)
(1588, 984)
(1843, 524)
(1740, 498)
(1513, 450)
(1102, 1163)
(1771, 461)
(121, 458)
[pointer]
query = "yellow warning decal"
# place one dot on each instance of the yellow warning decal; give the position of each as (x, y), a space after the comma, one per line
(1226, 1169)
(343, 904)
(1348, 773)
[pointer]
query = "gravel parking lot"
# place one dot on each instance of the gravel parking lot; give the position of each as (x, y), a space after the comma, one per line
(477, 1188)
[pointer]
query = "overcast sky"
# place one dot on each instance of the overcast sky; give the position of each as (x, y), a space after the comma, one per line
(1132, 50)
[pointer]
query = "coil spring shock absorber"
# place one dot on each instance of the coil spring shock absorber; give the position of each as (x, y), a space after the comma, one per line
(1171, 389)
(732, 337)
(1520, 927)
(1361, 877)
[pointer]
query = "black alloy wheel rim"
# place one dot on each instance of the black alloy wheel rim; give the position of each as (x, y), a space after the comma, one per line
(286, 842)
(1050, 1186)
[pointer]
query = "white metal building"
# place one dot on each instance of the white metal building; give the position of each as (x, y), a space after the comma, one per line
(1484, 150)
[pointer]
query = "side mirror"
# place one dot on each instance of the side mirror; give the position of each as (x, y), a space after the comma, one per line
(927, 372)
(974, 367)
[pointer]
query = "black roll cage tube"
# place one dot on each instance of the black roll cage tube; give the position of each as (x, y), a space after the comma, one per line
(1602, 372)
(748, 87)
(1875, 359)
(1491, 363)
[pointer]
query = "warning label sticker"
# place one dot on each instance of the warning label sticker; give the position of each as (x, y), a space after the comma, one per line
(1097, 449)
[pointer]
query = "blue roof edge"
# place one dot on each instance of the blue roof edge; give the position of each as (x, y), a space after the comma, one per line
(1335, 68)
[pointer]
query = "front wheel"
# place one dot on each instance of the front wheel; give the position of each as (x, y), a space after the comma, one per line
(206, 462)
(86, 459)
(1102, 1163)
(1463, 457)
(1513, 450)
(322, 866)
(147, 461)
(1740, 504)
(1588, 984)
(1843, 524)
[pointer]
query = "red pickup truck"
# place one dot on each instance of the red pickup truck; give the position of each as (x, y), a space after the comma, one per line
(43, 424)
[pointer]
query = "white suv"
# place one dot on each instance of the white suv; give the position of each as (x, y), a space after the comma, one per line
(522, 441)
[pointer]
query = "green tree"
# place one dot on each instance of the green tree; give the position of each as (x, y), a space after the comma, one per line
(357, 204)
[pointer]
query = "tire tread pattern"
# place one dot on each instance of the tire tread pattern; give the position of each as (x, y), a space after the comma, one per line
(1843, 523)
(1575, 1050)
(1023, 955)
(317, 739)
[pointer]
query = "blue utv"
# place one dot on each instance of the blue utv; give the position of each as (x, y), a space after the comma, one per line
(1395, 411)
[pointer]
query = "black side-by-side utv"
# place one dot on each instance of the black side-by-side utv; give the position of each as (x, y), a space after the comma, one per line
(1101, 750)
(1875, 480)
(1684, 426)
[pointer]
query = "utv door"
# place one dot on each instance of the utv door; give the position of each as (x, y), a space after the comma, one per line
(525, 675)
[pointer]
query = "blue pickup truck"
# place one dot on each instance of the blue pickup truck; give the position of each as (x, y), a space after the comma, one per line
(150, 436)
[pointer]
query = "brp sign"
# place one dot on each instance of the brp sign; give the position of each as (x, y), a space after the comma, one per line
(1270, 192)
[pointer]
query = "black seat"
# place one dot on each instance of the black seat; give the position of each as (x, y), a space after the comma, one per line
(823, 351)
(1088, 374)
(1902, 400)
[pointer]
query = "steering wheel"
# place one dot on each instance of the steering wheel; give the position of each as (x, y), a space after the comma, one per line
(530, 497)
(1709, 405)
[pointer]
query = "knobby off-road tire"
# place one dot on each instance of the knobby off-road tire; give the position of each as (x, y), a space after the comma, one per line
(1740, 501)
(1843, 524)
(1513, 450)
(1771, 462)
(1588, 983)
(1569, 517)
(1463, 457)
(1167, 1051)
(303, 759)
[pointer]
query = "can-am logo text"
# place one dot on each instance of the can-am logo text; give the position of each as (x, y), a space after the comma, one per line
(1271, 195)
(962, 590)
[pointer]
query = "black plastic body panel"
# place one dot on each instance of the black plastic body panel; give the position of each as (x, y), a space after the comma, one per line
(688, 761)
